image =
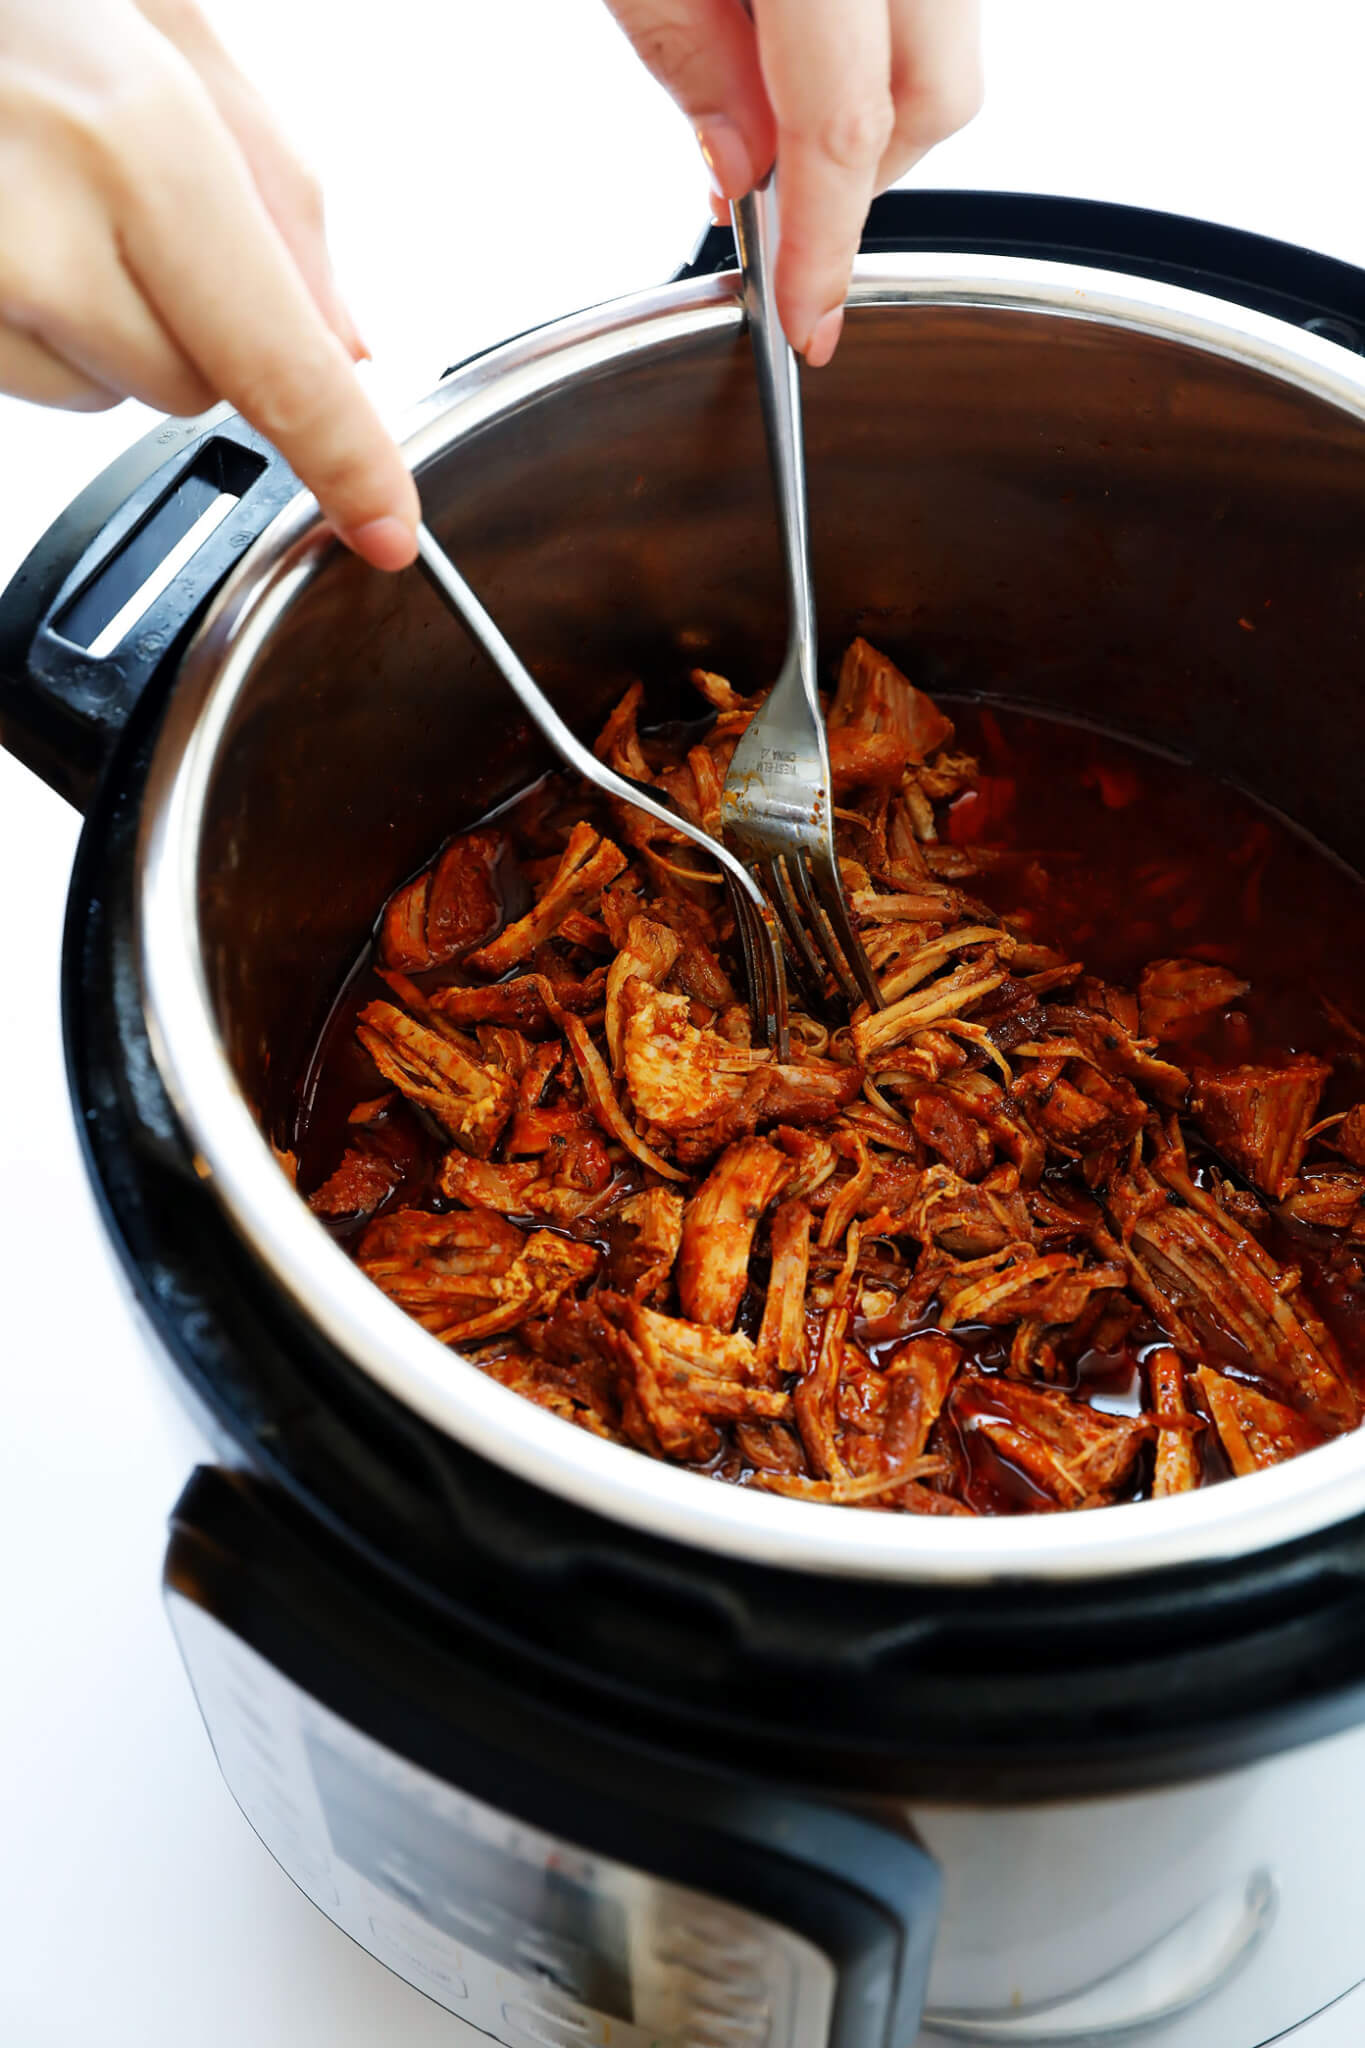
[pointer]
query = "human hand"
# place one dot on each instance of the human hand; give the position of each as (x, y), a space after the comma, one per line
(845, 94)
(158, 240)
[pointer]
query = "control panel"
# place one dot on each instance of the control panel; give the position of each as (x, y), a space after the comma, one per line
(531, 1939)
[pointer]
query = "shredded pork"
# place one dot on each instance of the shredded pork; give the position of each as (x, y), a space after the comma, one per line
(893, 1270)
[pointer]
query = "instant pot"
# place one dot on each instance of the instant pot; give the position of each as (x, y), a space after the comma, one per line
(590, 1749)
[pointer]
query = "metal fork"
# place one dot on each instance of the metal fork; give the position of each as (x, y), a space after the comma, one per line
(777, 804)
(761, 950)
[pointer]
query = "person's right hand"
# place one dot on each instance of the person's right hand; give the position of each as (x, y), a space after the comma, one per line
(845, 94)
(159, 240)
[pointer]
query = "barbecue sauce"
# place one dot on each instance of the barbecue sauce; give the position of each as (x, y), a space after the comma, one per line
(1143, 858)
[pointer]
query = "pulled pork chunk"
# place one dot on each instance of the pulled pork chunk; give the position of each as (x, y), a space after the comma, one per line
(968, 1221)
(361, 1184)
(865, 760)
(694, 1091)
(883, 1417)
(649, 955)
(646, 1237)
(1254, 1430)
(439, 1267)
(687, 1379)
(601, 1098)
(1172, 993)
(884, 1031)
(1258, 1117)
(466, 1276)
(527, 1188)
(578, 1391)
(1177, 1450)
(961, 1140)
(1348, 1135)
(782, 1337)
(1211, 1284)
(919, 1265)
(874, 697)
(906, 955)
(440, 1073)
(1326, 1198)
(1074, 1456)
(518, 1005)
(918, 1375)
(1074, 1106)
(589, 863)
(718, 1230)
(817, 1397)
(1117, 1052)
(1018, 1283)
(448, 910)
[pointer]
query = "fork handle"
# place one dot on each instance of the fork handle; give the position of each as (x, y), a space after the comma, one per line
(483, 629)
(779, 391)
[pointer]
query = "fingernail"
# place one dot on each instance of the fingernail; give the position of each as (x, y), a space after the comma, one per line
(352, 339)
(385, 543)
(340, 318)
(824, 338)
(726, 155)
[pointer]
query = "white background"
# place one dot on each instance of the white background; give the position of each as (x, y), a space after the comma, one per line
(487, 166)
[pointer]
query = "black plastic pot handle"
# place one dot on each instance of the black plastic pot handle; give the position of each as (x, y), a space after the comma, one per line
(1315, 292)
(62, 706)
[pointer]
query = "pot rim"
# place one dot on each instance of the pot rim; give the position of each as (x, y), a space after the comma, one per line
(1308, 1495)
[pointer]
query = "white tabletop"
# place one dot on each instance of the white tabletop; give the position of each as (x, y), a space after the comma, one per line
(487, 167)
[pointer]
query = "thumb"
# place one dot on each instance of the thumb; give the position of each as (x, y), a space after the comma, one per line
(705, 55)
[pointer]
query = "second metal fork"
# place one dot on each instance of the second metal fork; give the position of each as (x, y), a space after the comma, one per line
(777, 804)
(762, 952)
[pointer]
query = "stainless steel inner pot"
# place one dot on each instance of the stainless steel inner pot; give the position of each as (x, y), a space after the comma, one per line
(1062, 486)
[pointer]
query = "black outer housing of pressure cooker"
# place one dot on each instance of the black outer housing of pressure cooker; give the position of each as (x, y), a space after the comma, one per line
(608, 1684)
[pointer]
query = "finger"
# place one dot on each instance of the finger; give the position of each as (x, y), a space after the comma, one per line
(704, 53)
(80, 303)
(198, 240)
(292, 195)
(30, 369)
(827, 64)
(122, 345)
(936, 81)
(293, 199)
